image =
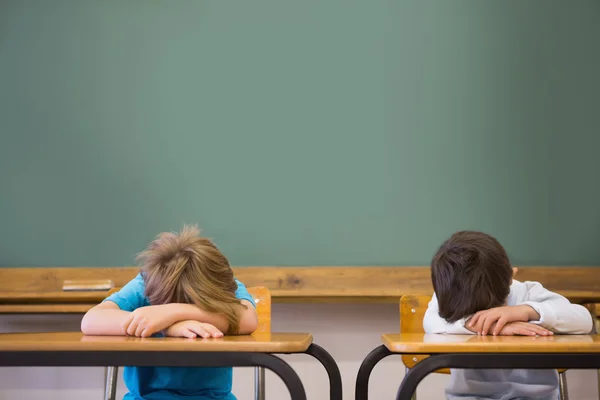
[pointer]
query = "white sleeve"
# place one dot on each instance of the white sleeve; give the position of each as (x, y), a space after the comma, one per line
(433, 323)
(556, 312)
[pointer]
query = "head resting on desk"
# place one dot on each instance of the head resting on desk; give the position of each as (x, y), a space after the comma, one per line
(470, 272)
(187, 268)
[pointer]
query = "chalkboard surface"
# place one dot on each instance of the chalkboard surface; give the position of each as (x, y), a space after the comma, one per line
(317, 132)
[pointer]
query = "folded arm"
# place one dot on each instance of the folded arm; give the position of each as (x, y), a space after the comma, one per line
(127, 313)
(248, 317)
(556, 313)
(105, 319)
(108, 319)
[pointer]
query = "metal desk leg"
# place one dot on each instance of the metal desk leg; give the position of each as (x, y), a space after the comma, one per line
(563, 389)
(361, 391)
(110, 386)
(414, 396)
(281, 368)
(333, 371)
(259, 383)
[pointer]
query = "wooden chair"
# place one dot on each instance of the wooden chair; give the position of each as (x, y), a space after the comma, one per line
(412, 311)
(262, 299)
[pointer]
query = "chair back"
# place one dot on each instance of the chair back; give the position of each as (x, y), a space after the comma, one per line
(412, 311)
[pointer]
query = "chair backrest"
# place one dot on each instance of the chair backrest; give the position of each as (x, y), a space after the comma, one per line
(262, 298)
(412, 311)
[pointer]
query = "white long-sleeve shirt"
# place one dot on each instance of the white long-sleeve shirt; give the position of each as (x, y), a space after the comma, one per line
(557, 314)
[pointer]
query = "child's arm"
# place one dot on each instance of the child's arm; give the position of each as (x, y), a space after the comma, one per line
(433, 323)
(110, 316)
(542, 307)
(108, 319)
(556, 312)
(113, 318)
(193, 328)
(127, 313)
(105, 319)
(248, 317)
(185, 312)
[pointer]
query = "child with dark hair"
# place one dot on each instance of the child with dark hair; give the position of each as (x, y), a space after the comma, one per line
(475, 293)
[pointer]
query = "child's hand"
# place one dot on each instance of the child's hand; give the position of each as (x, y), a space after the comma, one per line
(483, 321)
(524, 329)
(192, 329)
(146, 321)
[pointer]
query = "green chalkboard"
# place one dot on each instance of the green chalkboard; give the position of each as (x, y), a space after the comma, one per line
(315, 132)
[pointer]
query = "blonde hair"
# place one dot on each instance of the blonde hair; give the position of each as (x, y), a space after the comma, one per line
(188, 268)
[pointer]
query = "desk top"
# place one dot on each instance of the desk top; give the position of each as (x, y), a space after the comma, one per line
(75, 341)
(419, 343)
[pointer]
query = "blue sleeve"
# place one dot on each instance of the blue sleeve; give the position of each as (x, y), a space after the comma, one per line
(131, 296)
(242, 293)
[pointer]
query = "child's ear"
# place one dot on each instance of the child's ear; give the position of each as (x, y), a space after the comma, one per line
(515, 270)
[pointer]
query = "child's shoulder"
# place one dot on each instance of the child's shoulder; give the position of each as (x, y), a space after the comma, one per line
(132, 295)
(524, 285)
(136, 284)
(521, 292)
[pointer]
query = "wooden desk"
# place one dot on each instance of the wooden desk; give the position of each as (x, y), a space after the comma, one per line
(74, 349)
(480, 352)
(75, 341)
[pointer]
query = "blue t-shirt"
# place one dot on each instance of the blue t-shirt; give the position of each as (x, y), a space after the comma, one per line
(170, 383)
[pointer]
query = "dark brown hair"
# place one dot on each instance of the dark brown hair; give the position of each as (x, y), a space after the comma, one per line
(470, 272)
(188, 268)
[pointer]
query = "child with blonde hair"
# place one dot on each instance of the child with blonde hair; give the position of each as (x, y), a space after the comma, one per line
(186, 288)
